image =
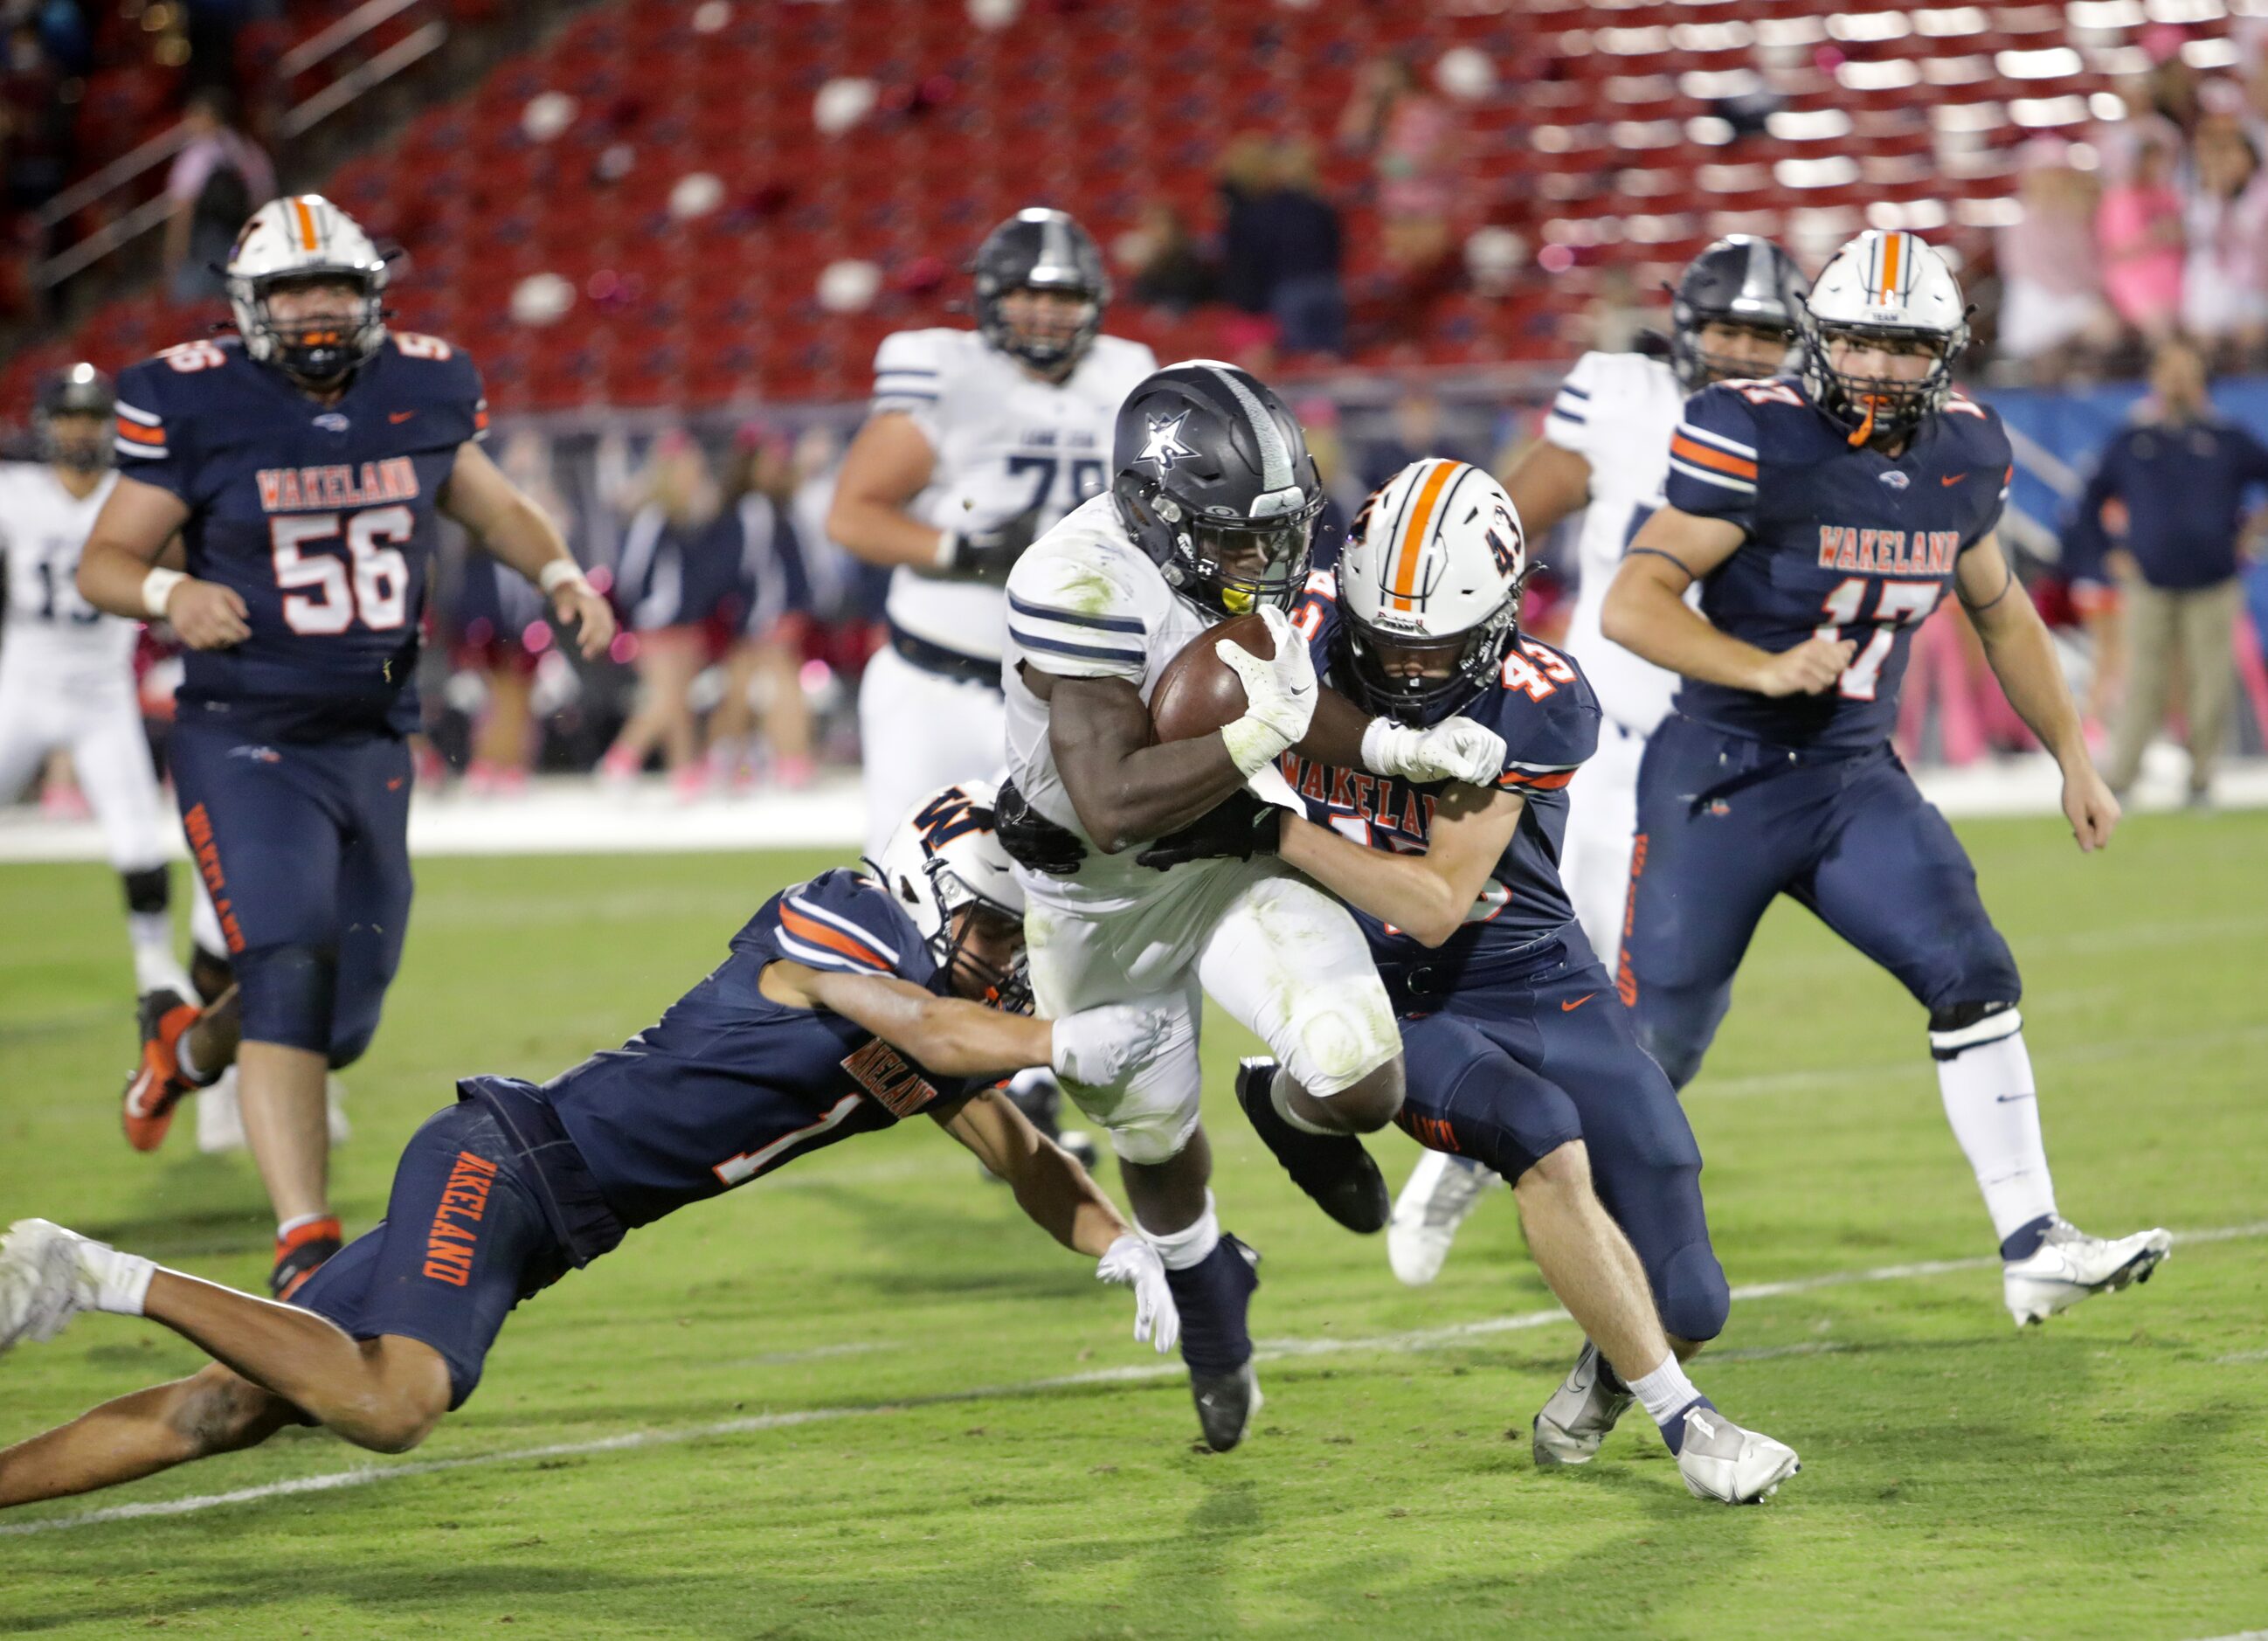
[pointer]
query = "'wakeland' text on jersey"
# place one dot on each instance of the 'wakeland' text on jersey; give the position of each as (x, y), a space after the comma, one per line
(1841, 541)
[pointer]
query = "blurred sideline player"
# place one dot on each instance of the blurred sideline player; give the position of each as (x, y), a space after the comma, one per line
(67, 669)
(1846, 500)
(1211, 513)
(845, 1005)
(1517, 1055)
(1605, 452)
(303, 462)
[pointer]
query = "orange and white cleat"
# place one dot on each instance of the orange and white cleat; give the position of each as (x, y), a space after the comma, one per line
(158, 1082)
(300, 1252)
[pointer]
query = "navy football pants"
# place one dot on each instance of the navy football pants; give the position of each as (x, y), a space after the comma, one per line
(1725, 823)
(1507, 1069)
(306, 849)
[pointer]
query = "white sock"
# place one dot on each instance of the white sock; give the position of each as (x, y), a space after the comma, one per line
(122, 1281)
(1665, 1392)
(1192, 1244)
(155, 966)
(1994, 1108)
(1279, 1092)
(289, 1226)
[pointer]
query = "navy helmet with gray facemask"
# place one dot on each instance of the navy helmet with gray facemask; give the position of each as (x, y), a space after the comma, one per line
(76, 390)
(1741, 280)
(1215, 483)
(1040, 249)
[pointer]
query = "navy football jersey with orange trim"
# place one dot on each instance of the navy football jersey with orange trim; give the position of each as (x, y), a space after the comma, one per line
(729, 1085)
(1841, 540)
(1543, 708)
(322, 517)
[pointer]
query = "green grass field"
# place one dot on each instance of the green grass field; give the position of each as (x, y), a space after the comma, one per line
(2107, 1476)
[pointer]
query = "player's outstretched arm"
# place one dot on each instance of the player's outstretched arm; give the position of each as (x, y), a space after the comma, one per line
(1647, 613)
(2022, 657)
(118, 570)
(1426, 896)
(508, 523)
(1547, 484)
(953, 1038)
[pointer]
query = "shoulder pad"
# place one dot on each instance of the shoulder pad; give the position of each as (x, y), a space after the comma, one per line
(845, 921)
(1544, 709)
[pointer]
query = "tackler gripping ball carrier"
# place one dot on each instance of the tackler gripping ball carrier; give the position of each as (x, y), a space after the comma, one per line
(1215, 483)
(1199, 693)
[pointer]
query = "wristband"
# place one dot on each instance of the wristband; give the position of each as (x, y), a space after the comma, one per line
(157, 588)
(948, 548)
(558, 573)
(1375, 756)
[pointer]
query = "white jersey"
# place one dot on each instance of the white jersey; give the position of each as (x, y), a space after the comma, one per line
(1006, 441)
(1088, 603)
(42, 529)
(1617, 411)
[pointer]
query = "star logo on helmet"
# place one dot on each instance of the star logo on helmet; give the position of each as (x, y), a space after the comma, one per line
(1165, 447)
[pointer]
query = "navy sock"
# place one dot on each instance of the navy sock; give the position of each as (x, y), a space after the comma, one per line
(1213, 1296)
(1674, 1432)
(2024, 1241)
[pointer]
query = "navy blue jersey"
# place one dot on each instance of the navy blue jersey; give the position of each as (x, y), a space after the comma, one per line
(1842, 542)
(322, 517)
(730, 1085)
(1549, 718)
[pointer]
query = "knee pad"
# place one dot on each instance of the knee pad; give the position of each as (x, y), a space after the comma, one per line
(288, 995)
(151, 891)
(1692, 1295)
(1345, 1032)
(1154, 1137)
(1957, 1027)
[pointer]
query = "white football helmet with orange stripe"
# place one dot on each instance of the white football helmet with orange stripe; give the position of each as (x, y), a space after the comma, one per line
(1431, 567)
(1890, 289)
(304, 237)
(945, 858)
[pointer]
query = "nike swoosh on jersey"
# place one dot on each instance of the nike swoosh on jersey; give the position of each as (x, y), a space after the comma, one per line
(1569, 1008)
(400, 415)
(1952, 479)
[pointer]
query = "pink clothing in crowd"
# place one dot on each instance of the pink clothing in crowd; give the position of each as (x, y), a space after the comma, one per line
(2139, 231)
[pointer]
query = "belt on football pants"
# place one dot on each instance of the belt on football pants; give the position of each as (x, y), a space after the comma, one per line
(935, 658)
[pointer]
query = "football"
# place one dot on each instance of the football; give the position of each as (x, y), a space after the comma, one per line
(1198, 692)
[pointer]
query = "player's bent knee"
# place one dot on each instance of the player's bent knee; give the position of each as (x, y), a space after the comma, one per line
(288, 993)
(1692, 1295)
(1678, 1056)
(1346, 1039)
(347, 1048)
(1373, 1100)
(1566, 1168)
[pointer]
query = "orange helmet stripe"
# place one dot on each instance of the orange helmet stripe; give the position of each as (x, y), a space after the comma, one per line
(307, 220)
(1892, 245)
(1412, 545)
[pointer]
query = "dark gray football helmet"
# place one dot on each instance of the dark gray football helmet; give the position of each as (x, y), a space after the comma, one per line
(76, 390)
(1741, 280)
(1040, 249)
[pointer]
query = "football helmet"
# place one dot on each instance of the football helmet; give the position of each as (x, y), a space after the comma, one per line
(1433, 564)
(303, 237)
(946, 857)
(1741, 280)
(75, 390)
(1040, 249)
(1883, 287)
(1215, 483)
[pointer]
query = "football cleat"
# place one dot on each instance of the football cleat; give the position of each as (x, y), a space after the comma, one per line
(1332, 1168)
(1720, 1460)
(1581, 1411)
(300, 1254)
(158, 1082)
(41, 1287)
(1441, 1191)
(1225, 1404)
(2069, 1265)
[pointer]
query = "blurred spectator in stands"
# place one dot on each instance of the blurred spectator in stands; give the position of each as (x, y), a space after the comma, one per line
(2184, 473)
(2139, 231)
(498, 631)
(771, 608)
(1343, 490)
(1242, 179)
(1414, 428)
(35, 123)
(1415, 142)
(2052, 313)
(680, 563)
(1171, 270)
(218, 178)
(1298, 232)
(2225, 280)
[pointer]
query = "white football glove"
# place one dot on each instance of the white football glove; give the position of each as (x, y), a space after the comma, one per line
(1131, 1262)
(1454, 749)
(1279, 695)
(1096, 1047)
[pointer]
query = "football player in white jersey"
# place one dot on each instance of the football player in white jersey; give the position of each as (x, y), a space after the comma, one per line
(978, 441)
(1210, 513)
(1605, 452)
(67, 669)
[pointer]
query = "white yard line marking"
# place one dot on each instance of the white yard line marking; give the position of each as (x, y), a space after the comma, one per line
(1269, 1351)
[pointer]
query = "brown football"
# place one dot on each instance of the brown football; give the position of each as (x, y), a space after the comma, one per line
(1198, 692)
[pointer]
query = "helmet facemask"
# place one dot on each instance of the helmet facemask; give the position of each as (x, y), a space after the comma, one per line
(1226, 567)
(319, 351)
(967, 973)
(1049, 349)
(1698, 367)
(80, 395)
(1878, 408)
(1429, 694)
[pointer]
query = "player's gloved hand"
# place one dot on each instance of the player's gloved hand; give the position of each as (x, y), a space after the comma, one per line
(1033, 841)
(206, 616)
(989, 555)
(1097, 1047)
(1279, 695)
(1454, 749)
(1242, 825)
(1131, 1262)
(1811, 667)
